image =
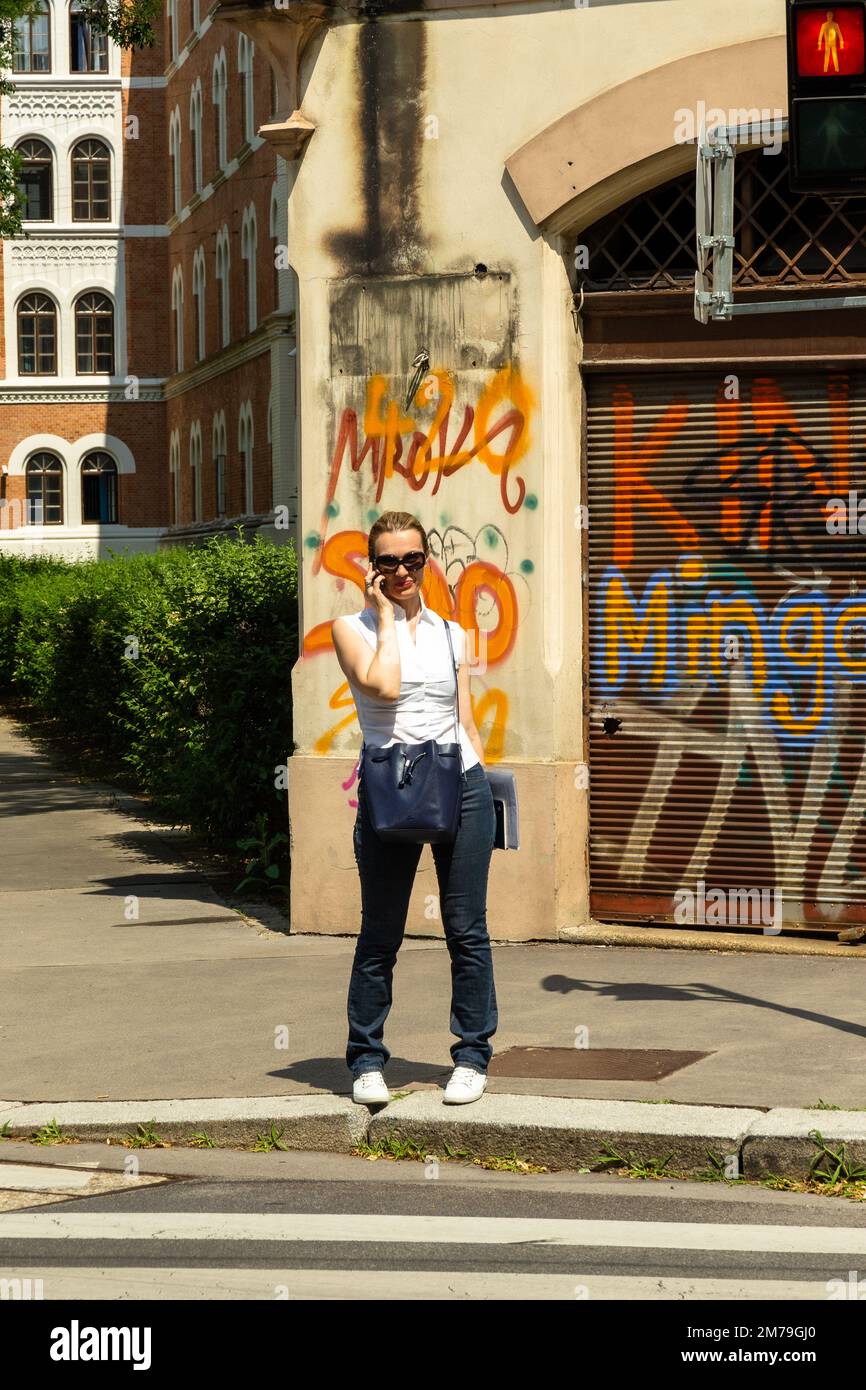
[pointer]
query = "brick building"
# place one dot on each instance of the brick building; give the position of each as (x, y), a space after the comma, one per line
(147, 357)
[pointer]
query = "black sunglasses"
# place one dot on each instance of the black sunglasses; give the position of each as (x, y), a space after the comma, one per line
(389, 564)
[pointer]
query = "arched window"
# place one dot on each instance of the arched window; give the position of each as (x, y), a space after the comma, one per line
(245, 450)
(223, 265)
(177, 311)
(91, 182)
(44, 490)
(219, 109)
(195, 106)
(198, 288)
(94, 335)
(35, 181)
(171, 10)
(99, 488)
(245, 73)
(195, 469)
(249, 240)
(275, 239)
(31, 40)
(174, 155)
(88, 48)
(37, 335)
(174, 474)
(220, 449)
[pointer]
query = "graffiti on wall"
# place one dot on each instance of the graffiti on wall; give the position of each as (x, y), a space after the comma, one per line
(470, 577)
(736, 668)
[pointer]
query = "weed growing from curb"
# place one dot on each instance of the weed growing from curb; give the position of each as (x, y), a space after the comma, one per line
(832, 1167)
(202, 1140)
(630, 1166)
(266, 1143)
(826, 1105)
(51, 1134)
(396, 1148)
(145, 1137)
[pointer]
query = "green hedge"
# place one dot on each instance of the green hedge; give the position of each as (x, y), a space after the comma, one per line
(177, 665)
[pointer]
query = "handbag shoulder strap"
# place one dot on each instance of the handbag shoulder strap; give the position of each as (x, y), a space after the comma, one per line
(456, 686)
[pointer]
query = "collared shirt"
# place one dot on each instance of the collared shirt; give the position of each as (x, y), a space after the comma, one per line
(426, 705)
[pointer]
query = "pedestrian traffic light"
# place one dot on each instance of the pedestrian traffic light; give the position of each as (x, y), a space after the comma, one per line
(827, 98)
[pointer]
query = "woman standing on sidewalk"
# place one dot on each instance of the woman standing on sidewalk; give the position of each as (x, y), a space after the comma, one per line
(396, 658)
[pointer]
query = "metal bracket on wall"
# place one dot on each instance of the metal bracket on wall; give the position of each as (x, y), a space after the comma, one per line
(715, 207)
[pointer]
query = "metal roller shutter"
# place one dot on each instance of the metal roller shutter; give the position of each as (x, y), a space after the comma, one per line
(727, 625)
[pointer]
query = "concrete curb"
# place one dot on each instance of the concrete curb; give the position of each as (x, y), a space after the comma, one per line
(681, 939)
(555, 1131)
(331, 1124)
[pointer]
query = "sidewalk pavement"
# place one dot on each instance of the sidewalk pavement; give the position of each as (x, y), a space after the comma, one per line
(192, 1001)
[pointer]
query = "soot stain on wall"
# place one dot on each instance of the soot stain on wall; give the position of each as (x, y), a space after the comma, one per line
(391, 73)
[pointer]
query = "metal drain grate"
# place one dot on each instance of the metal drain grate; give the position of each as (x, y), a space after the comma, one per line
(591, 1063)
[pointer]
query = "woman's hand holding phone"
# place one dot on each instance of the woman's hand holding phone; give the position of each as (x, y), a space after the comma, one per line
(373, 584)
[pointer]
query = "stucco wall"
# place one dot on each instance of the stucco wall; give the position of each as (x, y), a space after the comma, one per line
(407, 232)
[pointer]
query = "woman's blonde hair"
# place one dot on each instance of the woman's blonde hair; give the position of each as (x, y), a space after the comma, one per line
(395, 521)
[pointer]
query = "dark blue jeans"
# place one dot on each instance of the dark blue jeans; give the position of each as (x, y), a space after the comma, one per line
(387, 874)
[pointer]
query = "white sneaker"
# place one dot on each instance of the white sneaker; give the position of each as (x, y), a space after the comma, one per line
(466, 1084)
(370, 1089)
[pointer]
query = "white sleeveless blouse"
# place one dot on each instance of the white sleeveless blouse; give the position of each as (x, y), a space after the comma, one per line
(425, 707)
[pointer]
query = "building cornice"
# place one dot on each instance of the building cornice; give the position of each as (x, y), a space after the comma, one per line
(16, 394)
(274, 327)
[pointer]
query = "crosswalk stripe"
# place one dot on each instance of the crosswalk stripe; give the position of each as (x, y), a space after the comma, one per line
(460, 1230)
(281, 1283)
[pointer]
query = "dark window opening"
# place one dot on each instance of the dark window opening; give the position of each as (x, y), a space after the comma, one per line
(34, 181)
(88, 48)
(99, 489)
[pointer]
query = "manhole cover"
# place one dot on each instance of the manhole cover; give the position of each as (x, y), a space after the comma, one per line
(592, 1063)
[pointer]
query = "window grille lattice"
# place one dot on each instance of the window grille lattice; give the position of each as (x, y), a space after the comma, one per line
(782, 238)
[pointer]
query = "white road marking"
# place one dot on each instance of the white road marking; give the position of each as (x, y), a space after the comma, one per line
(347, 1284)
(440, 1230)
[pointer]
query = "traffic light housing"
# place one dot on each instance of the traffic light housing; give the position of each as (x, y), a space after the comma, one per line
(827, 97)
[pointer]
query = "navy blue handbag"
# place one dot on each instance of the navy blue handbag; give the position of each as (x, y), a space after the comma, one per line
(414, 791)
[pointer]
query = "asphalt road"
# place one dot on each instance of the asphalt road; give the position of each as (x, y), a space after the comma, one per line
(233, 1225)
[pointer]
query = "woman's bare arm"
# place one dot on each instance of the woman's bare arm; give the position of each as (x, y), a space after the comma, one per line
(376, 673)
(466, 717)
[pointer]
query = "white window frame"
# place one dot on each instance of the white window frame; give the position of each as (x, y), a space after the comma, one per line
(174, 147)
(177, 314)
(246, 50)
(195, 131)
(195, 459)
(174, 472)
(223, 272)
(219, 87)
(219, 441)
(245, 449)
(173, 44)
(249, 248)
(199, 282)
